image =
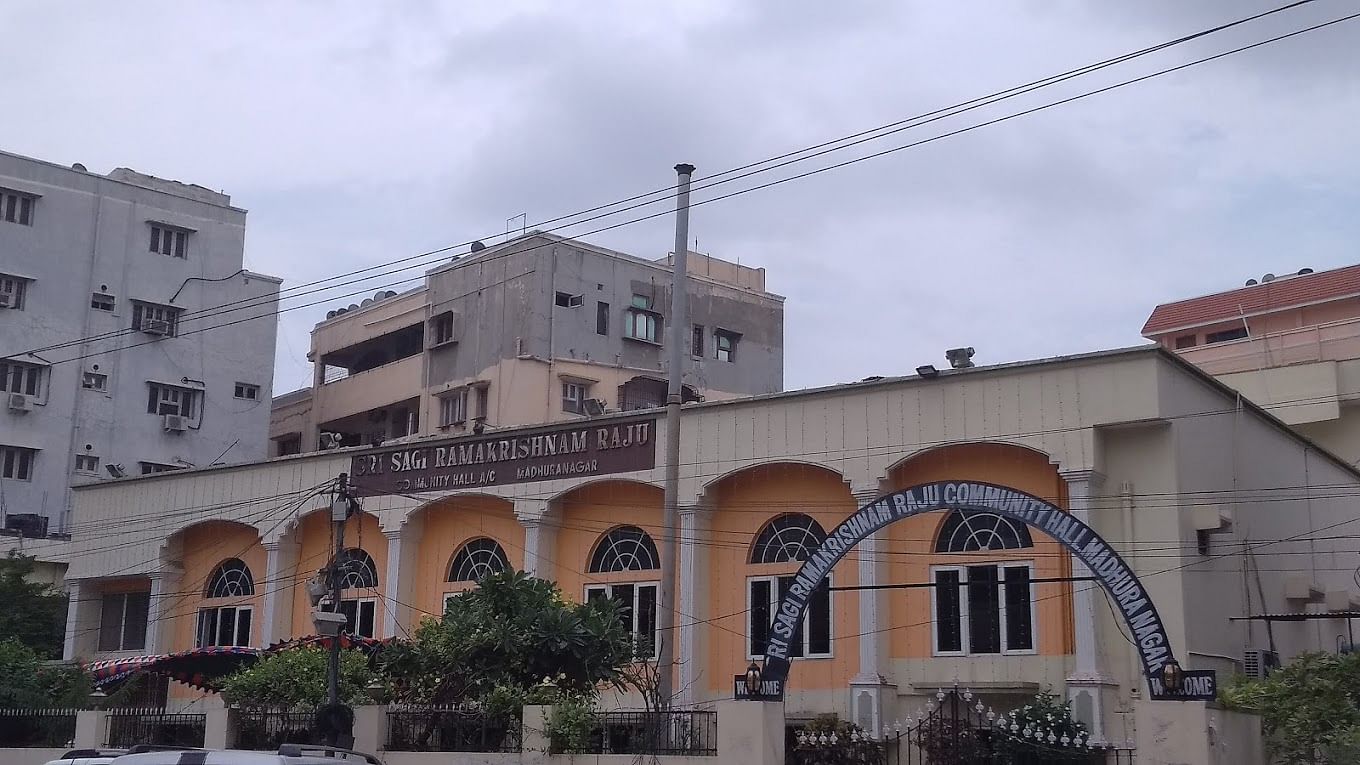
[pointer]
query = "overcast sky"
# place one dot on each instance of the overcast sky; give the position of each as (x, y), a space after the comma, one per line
(357, 133)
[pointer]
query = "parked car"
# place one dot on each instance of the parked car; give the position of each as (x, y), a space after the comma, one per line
(288, 754)
(88, 757)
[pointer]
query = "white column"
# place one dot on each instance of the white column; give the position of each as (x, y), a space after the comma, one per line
(1087, 684)
(692, 582)
(163, 609)
(81, 601)
(280, 581)
(539, 537)
(868, 686)
(396, 600)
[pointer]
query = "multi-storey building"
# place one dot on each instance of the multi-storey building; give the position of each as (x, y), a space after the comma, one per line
(111, 360)
(535, 330)
(1289, 343)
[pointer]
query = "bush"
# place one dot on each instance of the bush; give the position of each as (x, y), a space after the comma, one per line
(296, 679)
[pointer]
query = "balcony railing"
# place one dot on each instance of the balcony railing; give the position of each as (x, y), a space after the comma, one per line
(1334, 341)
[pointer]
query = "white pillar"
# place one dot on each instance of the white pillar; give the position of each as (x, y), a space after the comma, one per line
(396, 598)
(164, 607)
(692, 583)
(870, 684)
(81, 629)
(1088, 684)
(280, 579)
(539, 537)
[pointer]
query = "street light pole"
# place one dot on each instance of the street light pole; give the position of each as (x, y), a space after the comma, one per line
(679, 319)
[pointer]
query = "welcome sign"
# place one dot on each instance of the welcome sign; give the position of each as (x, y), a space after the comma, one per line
(1081, 540)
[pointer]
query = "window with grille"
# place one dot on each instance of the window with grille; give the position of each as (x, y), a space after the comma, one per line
(16, 462)
(122, 621)
(155, 319)
(94, 381)
(573, 397)
(443, 327)
(984, 609)
(17, 207)
(725, 345)
(696, 342)
(12, 292)
(640, 324)
(476, 560)
(224, 626)
(788, 538)
(568, 300)
(624, 548)
(964, 531)
(167, 240)
(602, 318)
(101, 301)
(87, 463)
(636, 603)
(231, 579)
(248, 391)
(357, 571)
(169, 399)
(19, 377)
(812, 638)
(453, 408)
(359, 616)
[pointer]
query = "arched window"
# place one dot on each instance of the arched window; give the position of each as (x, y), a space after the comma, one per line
(625, 548)
(356, 569)
(973, 531)
(791, 537)
(477, 559)
(231, 579)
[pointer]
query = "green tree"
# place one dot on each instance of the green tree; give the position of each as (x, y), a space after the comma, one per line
(296, 679)
(33, 613)
(26, 681)
(1309, 708)
(509, 635)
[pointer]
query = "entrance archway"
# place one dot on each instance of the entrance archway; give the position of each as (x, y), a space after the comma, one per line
(1081, 540)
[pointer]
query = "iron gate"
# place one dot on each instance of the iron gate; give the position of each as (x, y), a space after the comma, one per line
(954, 730)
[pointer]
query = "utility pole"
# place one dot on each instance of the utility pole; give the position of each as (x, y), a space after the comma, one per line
(334, 719)
(679, 329)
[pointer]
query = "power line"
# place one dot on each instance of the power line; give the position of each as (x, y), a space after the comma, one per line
(960, 109)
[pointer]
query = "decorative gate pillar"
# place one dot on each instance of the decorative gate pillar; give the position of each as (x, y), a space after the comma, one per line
(870, 689)
(402, 545)
(1089, 684)
(159, 613)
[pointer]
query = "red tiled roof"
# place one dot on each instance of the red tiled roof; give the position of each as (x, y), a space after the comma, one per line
(1274, 295)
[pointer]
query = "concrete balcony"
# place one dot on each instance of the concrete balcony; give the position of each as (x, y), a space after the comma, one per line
(370, 389)
(1335, 341)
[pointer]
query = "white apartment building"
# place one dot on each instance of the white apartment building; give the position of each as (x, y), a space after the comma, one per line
(112, 363)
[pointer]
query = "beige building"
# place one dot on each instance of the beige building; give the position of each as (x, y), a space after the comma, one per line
(538, 329)
(1219, 509)
(1290, 343)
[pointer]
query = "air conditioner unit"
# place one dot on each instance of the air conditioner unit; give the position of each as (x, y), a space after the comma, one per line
(7, 300)
(174, 423)
(1258, 662)
(19, 402)
(156, 326)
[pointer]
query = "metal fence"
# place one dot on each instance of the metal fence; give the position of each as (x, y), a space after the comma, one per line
(130, 727)
(451, 729)
(266, 729)
(681, 732)
(49, 728)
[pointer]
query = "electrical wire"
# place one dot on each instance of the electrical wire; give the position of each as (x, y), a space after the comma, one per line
(746, 190)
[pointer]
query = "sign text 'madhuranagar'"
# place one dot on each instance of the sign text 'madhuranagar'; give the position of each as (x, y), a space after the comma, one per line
(590, 449)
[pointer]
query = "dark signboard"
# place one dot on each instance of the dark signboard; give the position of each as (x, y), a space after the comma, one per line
(1196, 685)
(770, 690)
(579, 449)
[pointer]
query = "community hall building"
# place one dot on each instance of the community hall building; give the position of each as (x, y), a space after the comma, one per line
(1218, 509)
